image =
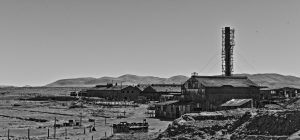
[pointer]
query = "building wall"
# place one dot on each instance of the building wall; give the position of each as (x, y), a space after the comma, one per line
(130, 93)
(280, 93)
(106, 94)
(265, 94)
(285, 92)
(151, 94)
(210, 98)
(171, 111)
(218, 96)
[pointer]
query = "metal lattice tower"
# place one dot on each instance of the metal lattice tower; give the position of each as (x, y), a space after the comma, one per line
(227, 50)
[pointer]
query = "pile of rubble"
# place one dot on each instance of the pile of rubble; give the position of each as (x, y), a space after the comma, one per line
(269, 123)
(234, 124)
(294, 105)
(204, 125)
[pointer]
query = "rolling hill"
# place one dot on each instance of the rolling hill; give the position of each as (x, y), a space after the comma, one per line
(127, 79)
(270, 80)
(273, 80)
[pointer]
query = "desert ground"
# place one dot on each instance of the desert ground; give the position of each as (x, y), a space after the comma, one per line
(31, 111)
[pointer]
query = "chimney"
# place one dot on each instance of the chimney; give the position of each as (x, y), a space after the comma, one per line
(227, 50)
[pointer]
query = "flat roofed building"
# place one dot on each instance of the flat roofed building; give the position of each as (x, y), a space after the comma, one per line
(117, 92)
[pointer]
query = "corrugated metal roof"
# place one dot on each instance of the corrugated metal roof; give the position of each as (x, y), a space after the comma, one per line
(219, 81)
(236, 102)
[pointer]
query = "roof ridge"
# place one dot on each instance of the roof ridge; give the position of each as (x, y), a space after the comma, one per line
(218, 81)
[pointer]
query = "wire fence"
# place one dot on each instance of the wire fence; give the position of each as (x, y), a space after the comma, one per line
(80, 133)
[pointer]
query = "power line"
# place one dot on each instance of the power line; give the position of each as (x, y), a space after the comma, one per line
(212, 66)
(208, 62)
(248, 63)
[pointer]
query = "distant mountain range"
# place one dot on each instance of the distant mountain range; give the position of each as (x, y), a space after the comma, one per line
(127, 79)
(271, 80)
(6, 86)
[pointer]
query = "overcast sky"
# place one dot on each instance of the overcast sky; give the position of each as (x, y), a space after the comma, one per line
(45, 40)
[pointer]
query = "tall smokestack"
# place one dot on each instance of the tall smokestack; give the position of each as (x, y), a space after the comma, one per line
(227, 50)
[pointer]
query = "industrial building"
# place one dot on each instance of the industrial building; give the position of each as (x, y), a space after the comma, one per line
(212, 91)
(209, 93)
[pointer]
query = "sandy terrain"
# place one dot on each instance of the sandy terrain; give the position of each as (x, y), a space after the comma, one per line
(18, 116)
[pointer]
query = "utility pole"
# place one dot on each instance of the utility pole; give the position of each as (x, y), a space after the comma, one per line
(28, 134)
(66, 131)
(8, 134)
(54, 127)
(80, 123)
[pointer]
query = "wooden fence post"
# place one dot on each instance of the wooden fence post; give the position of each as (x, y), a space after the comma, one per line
(66, 131)
(54, 127)
(8, 134)
(28, 134)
